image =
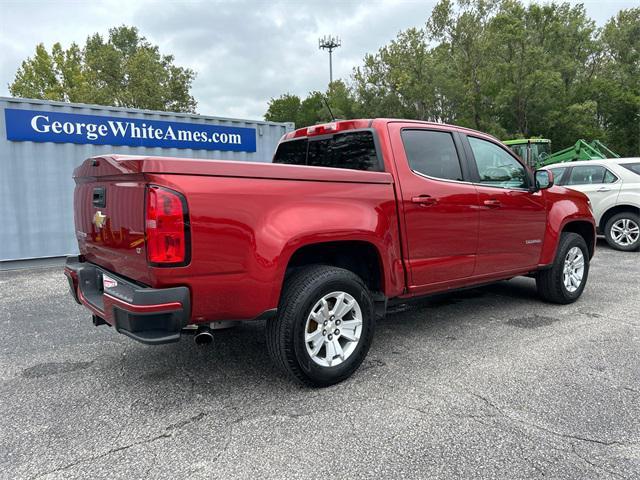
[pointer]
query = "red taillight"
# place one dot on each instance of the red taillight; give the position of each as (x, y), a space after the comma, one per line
(167, 230)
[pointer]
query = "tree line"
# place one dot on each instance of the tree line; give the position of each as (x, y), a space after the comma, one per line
(499, 66)
(123, 70)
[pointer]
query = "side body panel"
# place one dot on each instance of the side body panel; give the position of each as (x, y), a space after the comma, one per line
(514, 239)
(603, 196)
(245, 230)
(564, 206)
(511, 234)
(440, 220)
(630, 190)
(625, 191)
(629, 194)
(512, 219)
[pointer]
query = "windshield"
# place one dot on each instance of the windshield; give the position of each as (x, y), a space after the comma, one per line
(532, 153)
(520, 150)
(540, 152)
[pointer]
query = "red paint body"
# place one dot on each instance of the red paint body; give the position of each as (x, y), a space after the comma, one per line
(247, 220)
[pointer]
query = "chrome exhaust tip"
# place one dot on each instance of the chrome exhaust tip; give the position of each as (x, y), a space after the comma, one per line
(203, 336)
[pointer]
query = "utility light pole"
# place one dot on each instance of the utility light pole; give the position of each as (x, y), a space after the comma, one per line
(329, 42)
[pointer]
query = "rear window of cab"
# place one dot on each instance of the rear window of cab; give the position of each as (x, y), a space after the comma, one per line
(353, 150)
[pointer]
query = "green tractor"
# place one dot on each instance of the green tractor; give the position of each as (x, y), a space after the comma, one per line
(536, 152)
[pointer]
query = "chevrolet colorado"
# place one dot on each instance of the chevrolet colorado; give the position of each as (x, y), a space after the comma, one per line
(350, 217)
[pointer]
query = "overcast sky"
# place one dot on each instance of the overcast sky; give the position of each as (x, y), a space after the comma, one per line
(244, 52)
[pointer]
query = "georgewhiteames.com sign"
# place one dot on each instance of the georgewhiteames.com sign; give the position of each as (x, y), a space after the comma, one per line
(40, 126)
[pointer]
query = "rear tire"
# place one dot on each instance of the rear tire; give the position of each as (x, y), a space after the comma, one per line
(622, 231)
(326, 294)
(564, 282)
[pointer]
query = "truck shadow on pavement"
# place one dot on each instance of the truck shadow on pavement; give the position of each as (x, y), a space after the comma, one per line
(238, 356)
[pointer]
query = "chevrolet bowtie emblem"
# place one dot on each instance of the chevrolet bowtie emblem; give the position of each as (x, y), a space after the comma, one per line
(99, 219)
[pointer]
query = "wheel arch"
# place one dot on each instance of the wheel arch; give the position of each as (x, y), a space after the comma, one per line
(585, 230)
(606, 216)
(361, 257)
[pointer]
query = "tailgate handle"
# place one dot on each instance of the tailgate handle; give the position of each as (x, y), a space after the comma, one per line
(99, 197)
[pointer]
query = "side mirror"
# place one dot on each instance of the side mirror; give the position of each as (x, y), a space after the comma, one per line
(544, 179)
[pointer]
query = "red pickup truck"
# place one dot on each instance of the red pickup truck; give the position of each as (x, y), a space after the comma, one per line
(350, 217)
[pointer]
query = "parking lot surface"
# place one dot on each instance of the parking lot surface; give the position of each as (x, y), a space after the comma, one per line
(486, 383)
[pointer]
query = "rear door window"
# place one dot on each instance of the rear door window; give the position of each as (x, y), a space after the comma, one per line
(432, 153)
(590, 174)
(353, 150)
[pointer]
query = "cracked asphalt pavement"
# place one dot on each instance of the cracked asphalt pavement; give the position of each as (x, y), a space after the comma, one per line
(486, 383)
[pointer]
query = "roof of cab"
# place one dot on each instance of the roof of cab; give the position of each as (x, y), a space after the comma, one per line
(362, 123)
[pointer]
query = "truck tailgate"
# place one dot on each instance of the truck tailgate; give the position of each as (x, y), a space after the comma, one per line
(109, 218)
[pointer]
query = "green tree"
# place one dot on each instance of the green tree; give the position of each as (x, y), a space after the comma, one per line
(341, 100)
(285, 108)
(461, 30)
(542, 60)
(37, 78)
(505, 67)
(618, 85)
(313, 109)
(124, 70)
(397, 81)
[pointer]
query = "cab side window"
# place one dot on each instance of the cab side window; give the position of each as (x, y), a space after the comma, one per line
(432, 153)
(496, 167)
(590, 174)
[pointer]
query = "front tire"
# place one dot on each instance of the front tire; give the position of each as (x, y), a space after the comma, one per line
(622, 231)
(324, 326)
(564, 282)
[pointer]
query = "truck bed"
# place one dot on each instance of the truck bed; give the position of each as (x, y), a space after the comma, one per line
(129, 165)
(243, 218)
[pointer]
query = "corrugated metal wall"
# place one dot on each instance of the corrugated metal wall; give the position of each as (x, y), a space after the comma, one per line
(36, 188)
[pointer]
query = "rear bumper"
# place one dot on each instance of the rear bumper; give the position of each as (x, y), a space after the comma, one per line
(149, 315)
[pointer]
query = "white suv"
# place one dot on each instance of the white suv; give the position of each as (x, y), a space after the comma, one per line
(613, 187)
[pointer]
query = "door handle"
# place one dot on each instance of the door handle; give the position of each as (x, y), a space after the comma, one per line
(492, 203)
(424, 200)
(603, 189)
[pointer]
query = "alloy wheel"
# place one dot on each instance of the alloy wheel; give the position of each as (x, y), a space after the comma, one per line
(333, 329)
(625, 232)
(573, 270)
